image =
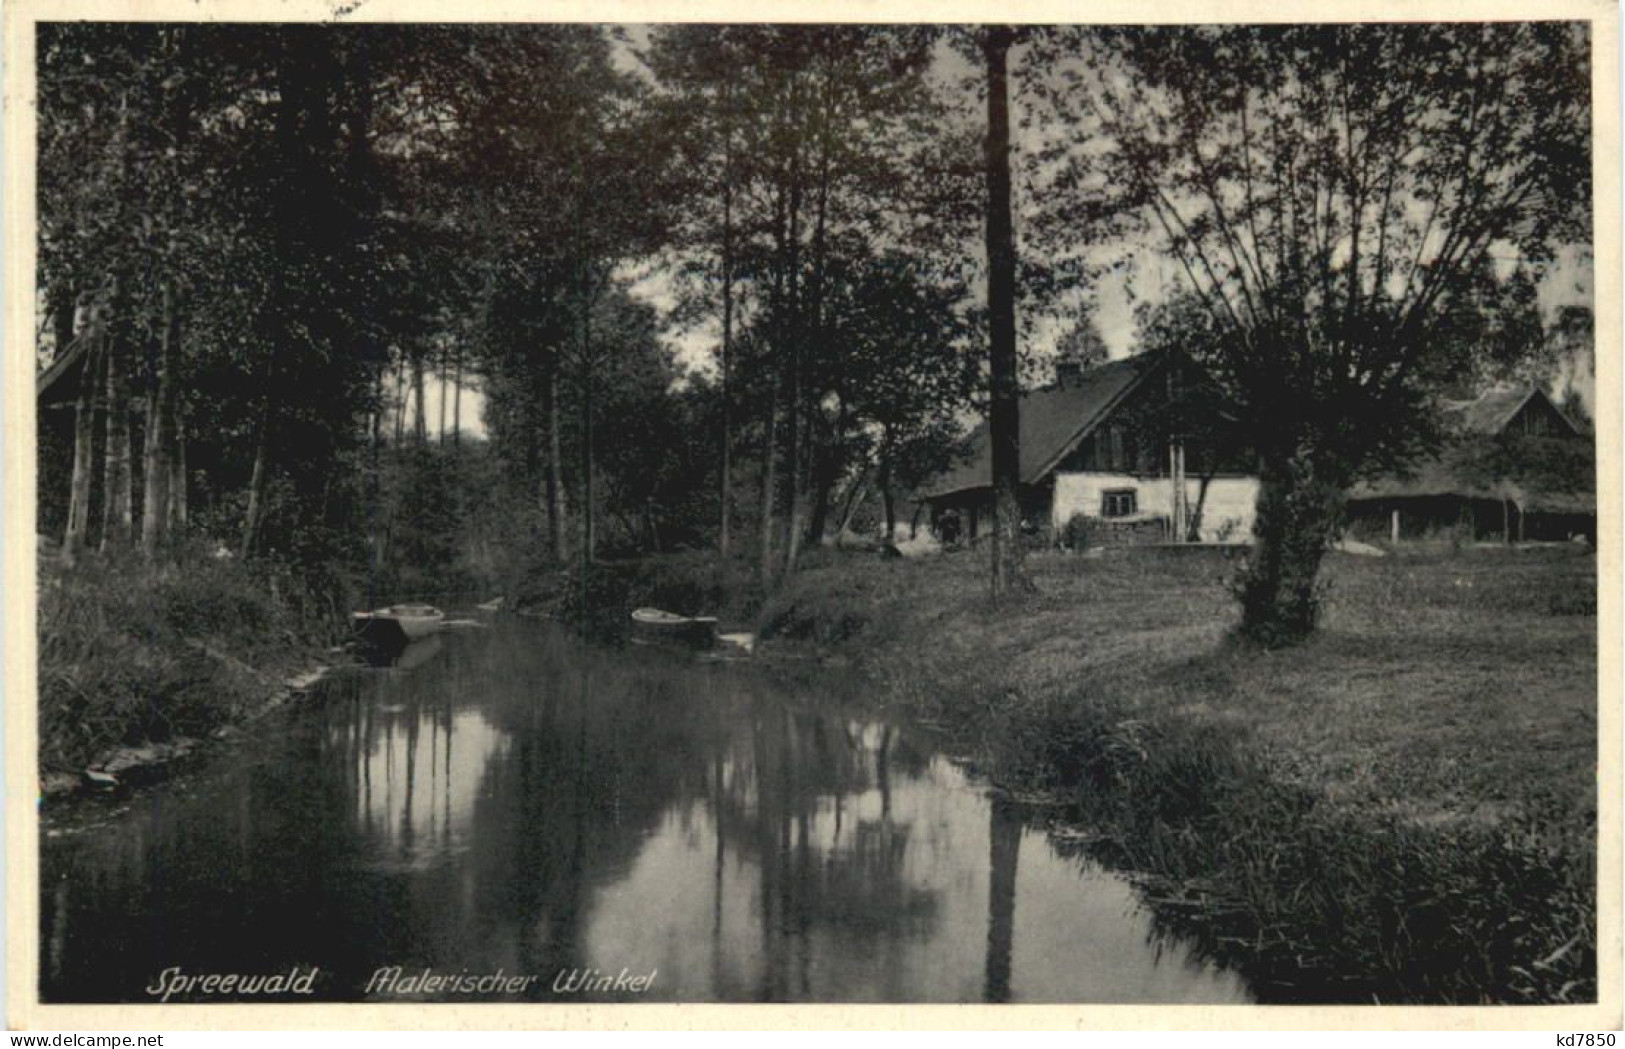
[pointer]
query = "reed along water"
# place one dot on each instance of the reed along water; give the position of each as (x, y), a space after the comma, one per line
(514, 815)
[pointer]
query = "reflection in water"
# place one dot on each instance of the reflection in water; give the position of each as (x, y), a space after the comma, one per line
(417, 774)
(523, 802)
(409, 656)
(1004, 836)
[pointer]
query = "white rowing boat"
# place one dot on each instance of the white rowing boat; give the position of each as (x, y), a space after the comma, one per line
(398, 624)
(653, 624)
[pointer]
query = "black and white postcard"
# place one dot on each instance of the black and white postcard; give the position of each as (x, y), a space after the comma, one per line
(827, 507)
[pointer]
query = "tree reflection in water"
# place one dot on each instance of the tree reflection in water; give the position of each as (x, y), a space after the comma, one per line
(527, 802)
(1004, 836)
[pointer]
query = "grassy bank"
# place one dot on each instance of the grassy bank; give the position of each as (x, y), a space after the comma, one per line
(132, 654)
(1402, 810)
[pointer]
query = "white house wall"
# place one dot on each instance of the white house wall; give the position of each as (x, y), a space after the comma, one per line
(1227, 512)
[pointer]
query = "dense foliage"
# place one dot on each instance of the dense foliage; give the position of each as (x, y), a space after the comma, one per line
(720, 285)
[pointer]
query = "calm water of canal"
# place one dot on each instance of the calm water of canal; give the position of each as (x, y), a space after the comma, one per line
(520, 802)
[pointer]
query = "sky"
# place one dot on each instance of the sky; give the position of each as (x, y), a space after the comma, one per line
(1568, 282)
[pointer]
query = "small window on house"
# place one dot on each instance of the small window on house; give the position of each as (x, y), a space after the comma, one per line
(1119, 502)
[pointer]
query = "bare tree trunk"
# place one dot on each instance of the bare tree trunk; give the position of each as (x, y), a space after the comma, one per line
(154, 478)
(375, 468)
(178, 508)
(887, 498)
(420, 415)
(770, 449)
(810, 317)
(769, 481)
(825, 475)
(84, 449)
(589, 518)
(457, 398)
(860, 488)
(117, 520)
(588, 523)
(1004, 409)
(256, 484)
(725, 496)
(160, 427)
(1299, 509)
(556, 530)
(650, 527)
(385, 509)
(444, 353)
(1193, 526)
(400, 407)
(795, 451)
(795, 454)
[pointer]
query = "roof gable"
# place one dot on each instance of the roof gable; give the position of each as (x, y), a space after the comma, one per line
(1537, 468)
(1052, 423)
(1494, 411)
(59, 383)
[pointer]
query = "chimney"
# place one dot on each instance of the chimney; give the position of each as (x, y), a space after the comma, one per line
(1068, 373)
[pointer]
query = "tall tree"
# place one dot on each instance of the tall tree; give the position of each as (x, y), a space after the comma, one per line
(161, 437)
(908, 367)
(698, 71)
(821, 143)
(1004, 400)
(118, 485)
(84, 435)
(548, 211)
(618, 161)
(726, 350)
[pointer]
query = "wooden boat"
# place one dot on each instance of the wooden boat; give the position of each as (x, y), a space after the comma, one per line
(656, 626)
(398, 624)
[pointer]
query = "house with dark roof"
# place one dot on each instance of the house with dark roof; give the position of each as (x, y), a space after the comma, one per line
(1513, 467)
(1131, 450)
(58, 385)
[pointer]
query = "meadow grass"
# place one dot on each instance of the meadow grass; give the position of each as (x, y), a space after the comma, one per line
(1402, 809)
(132, 653)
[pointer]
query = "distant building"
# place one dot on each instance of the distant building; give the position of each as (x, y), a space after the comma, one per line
(56, 393)
(1514, 467)
(1133, 450)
